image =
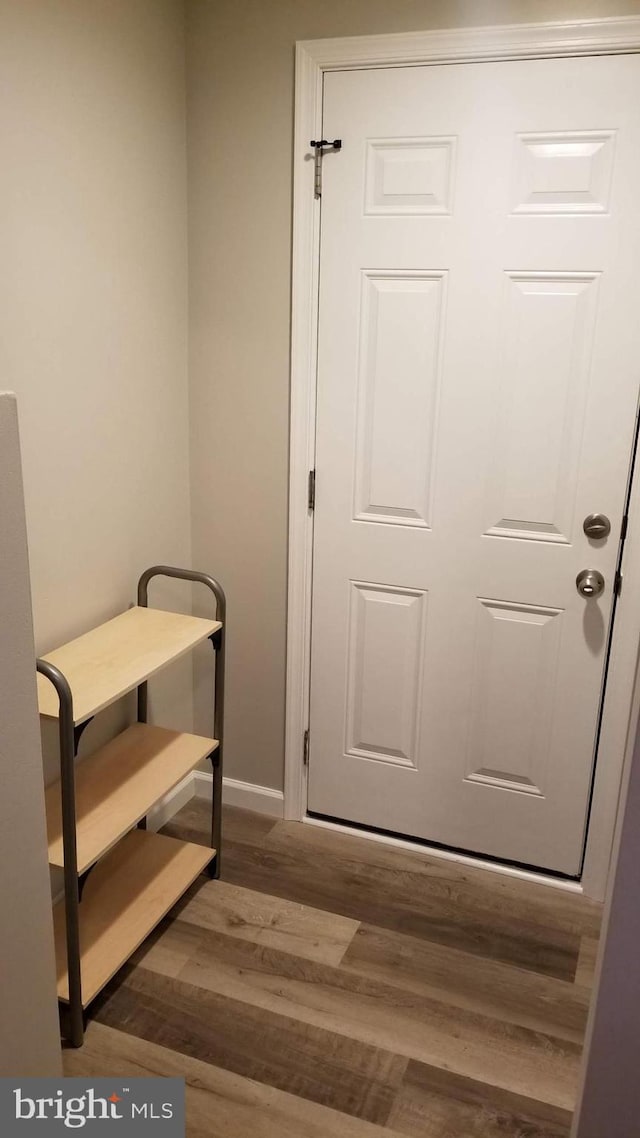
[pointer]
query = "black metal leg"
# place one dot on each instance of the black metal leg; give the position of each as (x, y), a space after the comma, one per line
(218, 640)
(74, 1016)
(213, 868)
(75, 1036)
(72, 891)
(143, 698)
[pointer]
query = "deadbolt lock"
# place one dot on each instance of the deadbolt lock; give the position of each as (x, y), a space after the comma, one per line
(597, 526)
(589, 583)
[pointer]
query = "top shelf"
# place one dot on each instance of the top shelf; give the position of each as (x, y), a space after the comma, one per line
(115, 658)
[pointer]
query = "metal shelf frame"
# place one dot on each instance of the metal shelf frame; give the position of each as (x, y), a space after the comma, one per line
(72, 1015)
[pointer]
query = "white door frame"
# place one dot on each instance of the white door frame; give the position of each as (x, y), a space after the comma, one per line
(313, 58)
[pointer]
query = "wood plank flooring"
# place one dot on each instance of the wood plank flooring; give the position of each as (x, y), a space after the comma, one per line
(330, 985)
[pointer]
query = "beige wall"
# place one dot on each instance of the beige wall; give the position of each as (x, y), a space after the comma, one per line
(29, 1040)
(93, 321)
(240, 107)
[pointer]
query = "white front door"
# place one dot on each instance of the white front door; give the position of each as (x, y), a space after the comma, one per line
(479, 363)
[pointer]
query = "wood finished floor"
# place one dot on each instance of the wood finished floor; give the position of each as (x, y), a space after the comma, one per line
(333, 986)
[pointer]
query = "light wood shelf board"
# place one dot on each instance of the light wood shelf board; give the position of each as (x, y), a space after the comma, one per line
(124, 898)
(111, 660)
(118, 784)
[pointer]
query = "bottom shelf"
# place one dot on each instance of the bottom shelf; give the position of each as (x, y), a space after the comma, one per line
(124, 897)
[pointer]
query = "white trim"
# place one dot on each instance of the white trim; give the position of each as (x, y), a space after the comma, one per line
(306, 241)
(166, 807)
(620, 712)
(247, 795)
(616, 36)
(448, 855)
(313, 58)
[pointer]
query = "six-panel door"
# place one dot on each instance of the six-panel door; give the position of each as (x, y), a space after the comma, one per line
(478, 374)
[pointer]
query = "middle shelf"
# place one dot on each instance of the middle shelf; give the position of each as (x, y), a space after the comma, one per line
(118, 784)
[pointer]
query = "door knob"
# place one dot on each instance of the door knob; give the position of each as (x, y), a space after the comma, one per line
(597, 526)
(589, 583)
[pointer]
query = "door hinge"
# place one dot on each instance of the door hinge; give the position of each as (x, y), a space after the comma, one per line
(624, 527)
(311, 490)
(305, 748)
(617, 584)
(320, 145)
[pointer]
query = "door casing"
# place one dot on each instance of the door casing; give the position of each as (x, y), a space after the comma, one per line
(620, 709)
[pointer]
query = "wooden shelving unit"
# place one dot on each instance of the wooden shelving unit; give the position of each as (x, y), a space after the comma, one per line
(119, 880)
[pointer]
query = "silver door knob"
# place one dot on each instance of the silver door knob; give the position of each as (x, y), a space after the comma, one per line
(589, 583)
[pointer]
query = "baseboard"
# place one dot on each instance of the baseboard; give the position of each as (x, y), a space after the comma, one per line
(199, 784)
(247, 795)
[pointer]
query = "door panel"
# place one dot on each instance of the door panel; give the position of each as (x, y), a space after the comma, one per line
(477, 386)
(564, 173)
(409, 176)
(384, 685)
(548, 324)
(513, 696)
(401, 320)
